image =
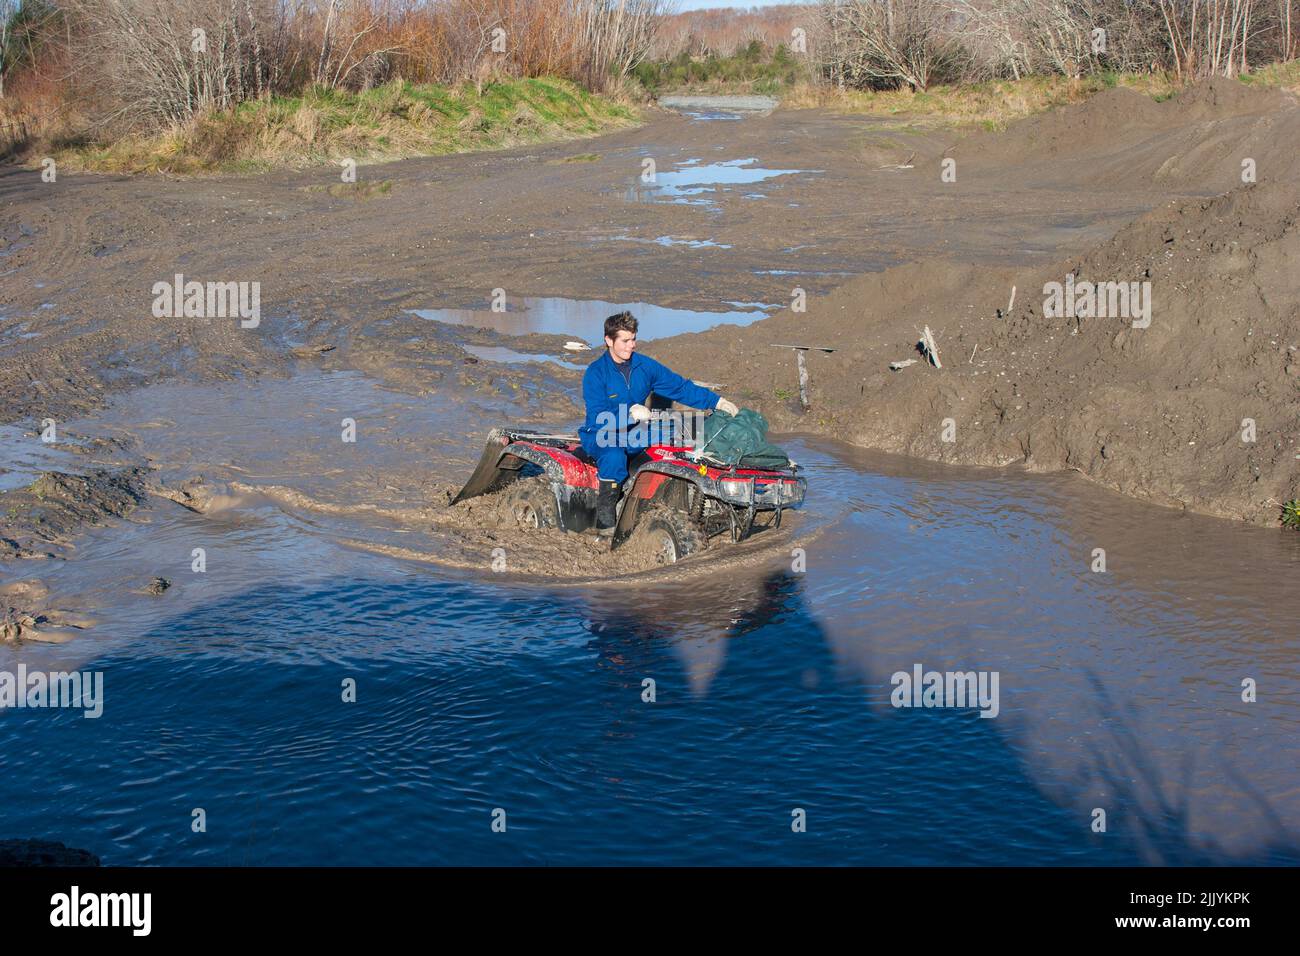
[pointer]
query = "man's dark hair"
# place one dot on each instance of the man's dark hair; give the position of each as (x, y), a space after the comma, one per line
(623, 322)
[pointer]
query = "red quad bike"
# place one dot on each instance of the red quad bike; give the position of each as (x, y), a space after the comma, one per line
(679, 497)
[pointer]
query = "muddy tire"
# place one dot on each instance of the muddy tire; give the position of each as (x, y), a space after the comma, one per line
(671, 535)
(531, 503)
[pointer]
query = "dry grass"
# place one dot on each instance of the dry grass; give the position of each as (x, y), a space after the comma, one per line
(1285, 76)
(35, 115)
(992, 104)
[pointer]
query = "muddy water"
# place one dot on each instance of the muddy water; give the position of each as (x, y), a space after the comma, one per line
(23, 456)
(723, 107)
(475, 690)
(508, 356)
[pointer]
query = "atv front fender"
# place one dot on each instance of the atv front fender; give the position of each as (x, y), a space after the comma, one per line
(506, 452)
(488, 472)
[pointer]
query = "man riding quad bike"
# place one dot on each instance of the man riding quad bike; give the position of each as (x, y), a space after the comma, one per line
(686, 484)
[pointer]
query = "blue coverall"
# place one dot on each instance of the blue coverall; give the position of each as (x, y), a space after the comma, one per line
(604, 389)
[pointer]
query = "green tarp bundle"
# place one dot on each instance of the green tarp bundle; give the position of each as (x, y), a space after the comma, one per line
(740, 441)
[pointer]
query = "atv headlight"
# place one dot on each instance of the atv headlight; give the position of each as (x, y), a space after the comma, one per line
(734, 488)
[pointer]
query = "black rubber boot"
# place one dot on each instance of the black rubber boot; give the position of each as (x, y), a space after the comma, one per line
(607, 504)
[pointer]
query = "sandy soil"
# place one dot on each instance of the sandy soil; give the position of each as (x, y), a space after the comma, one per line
(1156, 412)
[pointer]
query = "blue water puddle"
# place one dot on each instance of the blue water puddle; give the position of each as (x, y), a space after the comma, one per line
(701, 184)
(19, 330)
(690, 243)
(585, 318)
(707, 115)
(768, 306)
(472, 698)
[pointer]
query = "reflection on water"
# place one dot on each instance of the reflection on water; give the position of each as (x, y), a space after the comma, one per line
(771, 686)
(695, 183)
(586, 318)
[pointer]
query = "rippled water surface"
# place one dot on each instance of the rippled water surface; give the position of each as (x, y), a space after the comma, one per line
(1118, 690)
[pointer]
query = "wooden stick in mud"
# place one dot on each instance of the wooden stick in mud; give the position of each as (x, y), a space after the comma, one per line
(799, 350)
(803, 380)
(929, 347)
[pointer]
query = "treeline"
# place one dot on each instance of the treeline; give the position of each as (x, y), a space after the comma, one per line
(892, 43)
(726, 31)
(888, 44)
(154, 63)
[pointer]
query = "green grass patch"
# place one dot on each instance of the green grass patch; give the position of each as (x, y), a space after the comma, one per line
(393, 121)
(1284, 75)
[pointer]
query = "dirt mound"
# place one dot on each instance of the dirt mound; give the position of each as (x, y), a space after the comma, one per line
(1198, 139)
(1200, 409)
(44, 515)
(1216, 98)
(1112, 115)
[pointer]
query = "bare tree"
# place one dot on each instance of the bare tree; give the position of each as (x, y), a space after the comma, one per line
(616, 35)
(159, 62)
(888, 43)
(1286, 44)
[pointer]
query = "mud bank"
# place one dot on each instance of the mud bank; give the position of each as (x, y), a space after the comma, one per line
(46, 514)
(1199, 409)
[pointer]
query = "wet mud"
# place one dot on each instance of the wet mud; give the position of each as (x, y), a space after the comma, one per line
(463, 300)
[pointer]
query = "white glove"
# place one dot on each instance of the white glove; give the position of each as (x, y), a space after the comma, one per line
(639, 413)
(728, 407)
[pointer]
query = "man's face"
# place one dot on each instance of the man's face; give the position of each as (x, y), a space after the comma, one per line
(622, 345)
